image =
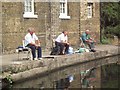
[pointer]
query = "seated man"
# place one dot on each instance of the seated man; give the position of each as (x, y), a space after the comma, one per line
(88, 40)
(62, 42)
(31, 41)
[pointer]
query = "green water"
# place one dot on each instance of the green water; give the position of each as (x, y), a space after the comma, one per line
(73, 77)
(110, 76)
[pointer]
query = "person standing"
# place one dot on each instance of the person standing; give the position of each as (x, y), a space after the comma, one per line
(62, 42)
(31, 41)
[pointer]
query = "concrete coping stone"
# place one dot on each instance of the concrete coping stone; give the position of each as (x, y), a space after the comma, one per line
(17, 66)
(22, 70)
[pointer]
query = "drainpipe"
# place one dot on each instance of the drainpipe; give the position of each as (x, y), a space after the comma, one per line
(79, 24)
(50, 23)
(100, 23)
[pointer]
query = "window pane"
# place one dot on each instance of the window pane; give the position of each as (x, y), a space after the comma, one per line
(62, 0)
(28, 5)
(89, 10)
(62, 7)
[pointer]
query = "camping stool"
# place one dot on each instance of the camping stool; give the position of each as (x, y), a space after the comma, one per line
(24, 50)
(82, 43)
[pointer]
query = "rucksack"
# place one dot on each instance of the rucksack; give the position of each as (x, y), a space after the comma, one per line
(55, 51)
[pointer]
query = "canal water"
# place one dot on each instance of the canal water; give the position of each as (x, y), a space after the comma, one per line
(73, 77)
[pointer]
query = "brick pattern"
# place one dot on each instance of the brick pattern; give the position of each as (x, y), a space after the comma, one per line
(48, 25)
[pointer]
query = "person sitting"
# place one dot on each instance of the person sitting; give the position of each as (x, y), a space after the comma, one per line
(31, 41)
(88, 40)
(62, 42)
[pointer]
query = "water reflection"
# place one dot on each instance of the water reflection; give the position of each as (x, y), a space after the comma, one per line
(110, 76)
(64, 83)
(87, 77)
(70, 77)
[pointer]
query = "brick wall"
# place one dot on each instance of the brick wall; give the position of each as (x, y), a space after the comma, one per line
(93, 24)
(48, 25)
(14, 26)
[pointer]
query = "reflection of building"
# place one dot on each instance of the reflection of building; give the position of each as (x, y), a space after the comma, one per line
(49, 19)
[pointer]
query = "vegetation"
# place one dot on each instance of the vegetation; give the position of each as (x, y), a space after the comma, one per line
(9, 79)
(110, 20)
(7, 82)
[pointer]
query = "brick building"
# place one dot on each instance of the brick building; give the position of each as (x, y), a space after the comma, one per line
(49, 20)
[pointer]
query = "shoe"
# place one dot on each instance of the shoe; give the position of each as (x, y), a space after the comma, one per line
(35, 59)
(92, 50)
(39, 58)
(61, 54)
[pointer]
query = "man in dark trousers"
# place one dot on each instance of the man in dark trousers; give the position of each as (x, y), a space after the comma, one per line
(88, 40)
(31, 41)
(62, 42)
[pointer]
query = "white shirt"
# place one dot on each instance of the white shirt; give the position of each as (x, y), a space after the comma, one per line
(30, 38)
(62, 38)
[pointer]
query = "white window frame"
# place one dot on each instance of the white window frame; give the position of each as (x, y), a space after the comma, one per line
(29, 9)
(63, 10)
(90, 10)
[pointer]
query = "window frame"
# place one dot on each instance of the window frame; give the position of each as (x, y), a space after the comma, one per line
(89, 10)
(63, 10)
(29, 9)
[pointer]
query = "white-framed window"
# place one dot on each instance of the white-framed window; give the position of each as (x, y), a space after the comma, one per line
(29, 9)
(63, 10)
(90, 10)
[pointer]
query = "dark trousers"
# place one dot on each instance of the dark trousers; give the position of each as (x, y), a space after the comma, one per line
(33, 49)
(62, 46)
(90, 44)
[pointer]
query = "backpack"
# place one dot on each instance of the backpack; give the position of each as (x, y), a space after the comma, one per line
(55, 51)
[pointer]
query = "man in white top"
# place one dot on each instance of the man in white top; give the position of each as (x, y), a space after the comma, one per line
(31, 41)
(62, 42)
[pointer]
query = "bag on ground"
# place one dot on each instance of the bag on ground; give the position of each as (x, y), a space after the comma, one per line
(55, 51)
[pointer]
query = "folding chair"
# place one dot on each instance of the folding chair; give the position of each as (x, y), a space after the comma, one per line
(24, 50)
(82, 43)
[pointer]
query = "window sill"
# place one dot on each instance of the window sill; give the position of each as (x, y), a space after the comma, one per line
(30, 16)
(64, 17)
(89, 17)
